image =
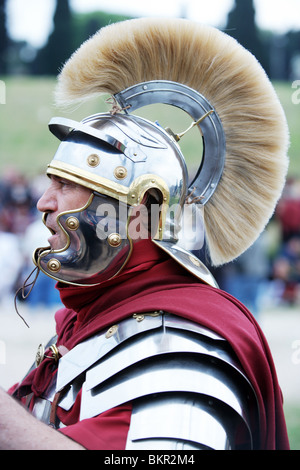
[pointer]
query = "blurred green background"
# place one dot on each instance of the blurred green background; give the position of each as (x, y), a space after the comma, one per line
(27, 143)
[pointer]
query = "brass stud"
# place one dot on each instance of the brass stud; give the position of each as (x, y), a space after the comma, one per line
(54, 265)
(195, 261)
(120, 172)
(112, 330)
(93, 160)
(114, 240)
(72, 223)
(139, 317)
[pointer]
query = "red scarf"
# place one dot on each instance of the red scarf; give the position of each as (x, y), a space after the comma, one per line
(153, 281)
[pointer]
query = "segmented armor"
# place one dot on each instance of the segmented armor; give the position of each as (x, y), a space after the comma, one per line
(186, 387)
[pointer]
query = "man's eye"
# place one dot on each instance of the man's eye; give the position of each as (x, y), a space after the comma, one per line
(64, 183)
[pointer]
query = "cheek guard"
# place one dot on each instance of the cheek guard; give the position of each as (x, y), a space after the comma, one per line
(97, 246)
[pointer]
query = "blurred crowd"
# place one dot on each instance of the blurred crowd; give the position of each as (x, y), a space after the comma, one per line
(21, 231)
(269, 272)
(286, 266)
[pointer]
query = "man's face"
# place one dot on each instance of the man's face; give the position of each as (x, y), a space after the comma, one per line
(62, 195)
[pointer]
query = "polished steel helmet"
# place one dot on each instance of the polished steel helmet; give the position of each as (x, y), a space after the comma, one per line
(125, 159)
(122, 158)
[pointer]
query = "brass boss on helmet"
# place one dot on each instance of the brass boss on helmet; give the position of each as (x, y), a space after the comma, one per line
(122, 157)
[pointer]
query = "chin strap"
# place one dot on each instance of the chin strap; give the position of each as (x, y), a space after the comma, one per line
(25, 285)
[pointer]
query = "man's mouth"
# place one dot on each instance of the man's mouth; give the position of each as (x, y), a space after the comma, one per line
(51, 230)
(53, 236)
(47, 223)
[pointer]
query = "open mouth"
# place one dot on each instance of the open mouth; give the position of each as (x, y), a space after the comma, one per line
(54, 234)
(53, 240)
(51, 229)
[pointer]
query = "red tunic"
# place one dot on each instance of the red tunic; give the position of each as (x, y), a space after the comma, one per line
(153, 281)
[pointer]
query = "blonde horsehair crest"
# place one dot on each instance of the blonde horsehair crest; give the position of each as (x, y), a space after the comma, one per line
(231, 79)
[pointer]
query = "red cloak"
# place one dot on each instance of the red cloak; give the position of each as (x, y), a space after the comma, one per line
(153, 281)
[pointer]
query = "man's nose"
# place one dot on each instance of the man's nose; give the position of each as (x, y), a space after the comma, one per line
(47, 202)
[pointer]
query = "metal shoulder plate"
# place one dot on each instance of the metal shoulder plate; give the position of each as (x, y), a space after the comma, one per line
(187, 389)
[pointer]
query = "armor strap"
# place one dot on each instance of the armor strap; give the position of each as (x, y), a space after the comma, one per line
(53, 416)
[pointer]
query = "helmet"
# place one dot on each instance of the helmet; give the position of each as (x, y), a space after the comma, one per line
(124, 158)
(120, 159)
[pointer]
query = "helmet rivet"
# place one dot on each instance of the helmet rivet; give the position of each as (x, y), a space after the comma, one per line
(196, 262)
(120, 172)
(112, 330)
(72, 223)
(93, 160)
(114, 240)
(54, 265)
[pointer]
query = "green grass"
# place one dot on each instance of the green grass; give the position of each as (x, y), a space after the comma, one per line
(292, 416)
(25, 139)
(27, 144)
(292, 110)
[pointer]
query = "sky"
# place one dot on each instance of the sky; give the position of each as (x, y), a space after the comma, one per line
(31, 20)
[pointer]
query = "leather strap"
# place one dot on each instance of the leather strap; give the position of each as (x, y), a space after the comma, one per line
(53, 417)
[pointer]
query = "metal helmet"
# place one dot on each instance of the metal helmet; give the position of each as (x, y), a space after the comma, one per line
(122, 157)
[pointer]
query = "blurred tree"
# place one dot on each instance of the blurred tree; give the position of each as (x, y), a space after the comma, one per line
(279, 57)
(3, 38)
(69, 32)
(293, 55)
(87, 24)
(59, 46)
(242, 26)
